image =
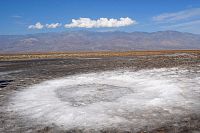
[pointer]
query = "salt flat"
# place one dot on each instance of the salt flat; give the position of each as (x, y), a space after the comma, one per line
(112, 99)
(133, 94)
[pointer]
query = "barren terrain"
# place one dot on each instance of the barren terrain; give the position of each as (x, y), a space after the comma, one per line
(142, 91)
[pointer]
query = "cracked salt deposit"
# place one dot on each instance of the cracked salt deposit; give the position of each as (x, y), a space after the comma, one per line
(111, 99)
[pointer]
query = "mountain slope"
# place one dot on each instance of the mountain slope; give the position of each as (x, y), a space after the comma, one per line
(95, 41)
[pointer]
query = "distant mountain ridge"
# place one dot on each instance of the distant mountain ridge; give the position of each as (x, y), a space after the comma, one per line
(98, 41)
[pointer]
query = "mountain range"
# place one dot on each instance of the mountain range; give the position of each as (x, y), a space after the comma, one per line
(98, 41)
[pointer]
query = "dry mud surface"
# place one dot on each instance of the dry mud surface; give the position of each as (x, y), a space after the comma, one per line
(111, 94)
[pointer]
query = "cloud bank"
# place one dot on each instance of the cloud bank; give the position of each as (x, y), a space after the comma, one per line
(53, 25)
(177, 16)
(100, 23)
(88, 23)
(38, 25)
(185, 20)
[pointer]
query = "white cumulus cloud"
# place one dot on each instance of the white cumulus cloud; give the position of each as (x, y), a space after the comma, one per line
(101, 22)
(38, 25)
(53, 25)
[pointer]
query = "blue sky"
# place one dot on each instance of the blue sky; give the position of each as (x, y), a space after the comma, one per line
(35, 16)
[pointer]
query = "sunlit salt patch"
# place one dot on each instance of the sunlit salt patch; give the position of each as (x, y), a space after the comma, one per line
(123, 99)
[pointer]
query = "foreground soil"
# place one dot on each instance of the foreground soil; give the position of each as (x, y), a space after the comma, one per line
(47, 55)
(18, 74)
